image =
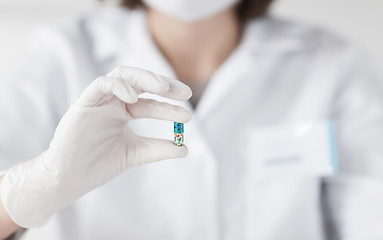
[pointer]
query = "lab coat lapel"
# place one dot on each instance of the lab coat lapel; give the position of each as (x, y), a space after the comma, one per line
(222, 81)
(259, 38)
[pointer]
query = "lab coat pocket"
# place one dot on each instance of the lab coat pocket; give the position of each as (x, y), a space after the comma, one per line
(285, 164)
(291, 150)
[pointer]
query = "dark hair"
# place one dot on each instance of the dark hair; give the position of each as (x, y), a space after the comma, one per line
(246, 10)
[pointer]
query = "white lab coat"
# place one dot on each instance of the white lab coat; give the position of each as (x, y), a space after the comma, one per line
(281, 73)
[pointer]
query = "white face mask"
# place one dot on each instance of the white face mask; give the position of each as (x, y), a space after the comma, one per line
(190, 10)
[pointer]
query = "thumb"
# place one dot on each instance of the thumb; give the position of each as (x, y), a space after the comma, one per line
(152, 150)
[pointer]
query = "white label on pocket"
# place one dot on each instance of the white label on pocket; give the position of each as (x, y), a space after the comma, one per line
(305, 149)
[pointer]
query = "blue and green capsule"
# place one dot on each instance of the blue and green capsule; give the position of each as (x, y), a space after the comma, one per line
(178, 133)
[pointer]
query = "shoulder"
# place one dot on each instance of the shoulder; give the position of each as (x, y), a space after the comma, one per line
(319, 56)
(299, 37)
(87, 34)
(318, 49)
(95, 24)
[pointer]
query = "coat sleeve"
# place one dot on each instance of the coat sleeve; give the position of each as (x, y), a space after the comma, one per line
(353, 199)
(32, 99)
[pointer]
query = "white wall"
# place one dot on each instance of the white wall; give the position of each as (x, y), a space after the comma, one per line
(360, 21)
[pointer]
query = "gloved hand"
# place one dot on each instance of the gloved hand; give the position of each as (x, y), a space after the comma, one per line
(93, 144)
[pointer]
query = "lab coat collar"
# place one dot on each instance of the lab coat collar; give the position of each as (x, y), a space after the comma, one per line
(140, 51)
(107, 32)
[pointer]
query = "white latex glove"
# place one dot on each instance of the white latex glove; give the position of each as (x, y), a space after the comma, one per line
(93, 144)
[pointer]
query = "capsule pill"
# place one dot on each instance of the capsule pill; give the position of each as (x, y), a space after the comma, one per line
(178, 133)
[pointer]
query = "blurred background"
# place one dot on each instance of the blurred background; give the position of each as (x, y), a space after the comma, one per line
(359, 21)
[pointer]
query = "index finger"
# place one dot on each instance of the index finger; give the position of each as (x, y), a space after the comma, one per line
(146, 81)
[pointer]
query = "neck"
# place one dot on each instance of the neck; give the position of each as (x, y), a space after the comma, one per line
(195, 50)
